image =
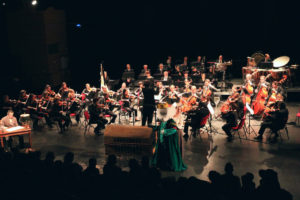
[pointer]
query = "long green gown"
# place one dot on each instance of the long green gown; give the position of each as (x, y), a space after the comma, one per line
(168, 155)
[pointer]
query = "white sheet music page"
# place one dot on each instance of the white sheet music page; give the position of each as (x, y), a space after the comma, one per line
(16, 128)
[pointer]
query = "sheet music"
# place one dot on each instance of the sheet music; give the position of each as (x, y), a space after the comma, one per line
(16, 128)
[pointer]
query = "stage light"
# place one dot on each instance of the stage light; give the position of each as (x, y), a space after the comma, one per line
(34, 2)
(78, 25)
(3, 4)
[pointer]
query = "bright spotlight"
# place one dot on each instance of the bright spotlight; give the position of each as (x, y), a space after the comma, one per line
(34, 2)
(78, 25)
(3, 4)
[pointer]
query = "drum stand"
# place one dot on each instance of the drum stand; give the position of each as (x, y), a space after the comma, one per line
(249, 129)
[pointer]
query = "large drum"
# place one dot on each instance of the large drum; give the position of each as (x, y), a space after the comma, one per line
(277, 74)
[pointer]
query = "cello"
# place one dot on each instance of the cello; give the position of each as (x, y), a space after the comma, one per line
(258, 105)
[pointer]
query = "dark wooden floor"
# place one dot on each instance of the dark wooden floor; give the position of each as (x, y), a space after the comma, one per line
(200, 154)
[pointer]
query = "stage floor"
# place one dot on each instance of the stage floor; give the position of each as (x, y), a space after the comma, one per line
(200, 154)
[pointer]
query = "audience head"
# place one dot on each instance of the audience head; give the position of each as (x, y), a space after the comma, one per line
(92, 162)
(228, 168)
(69, 157)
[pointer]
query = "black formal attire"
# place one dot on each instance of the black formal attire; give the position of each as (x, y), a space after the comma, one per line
(63, 93)
(148, 106)
(194, 119)
(275, 121)
(166, 80)
(95, 118)
(56, 115)
(231, 121)
(105, 101)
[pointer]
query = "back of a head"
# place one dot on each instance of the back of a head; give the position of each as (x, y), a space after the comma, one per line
(147, 84)
(50, 156)
(69, 157)
(213, 176)
(112, 159)
(92, 162)
(228, 168)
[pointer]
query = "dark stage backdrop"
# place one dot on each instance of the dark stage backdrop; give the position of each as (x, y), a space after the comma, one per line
(146, 32)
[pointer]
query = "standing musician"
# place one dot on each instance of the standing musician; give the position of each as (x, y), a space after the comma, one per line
(126, 100)
(64, 91)
(232, 110)
(50, 92)
(247, 89)
(107, 105)
(96, 117)
(276, 120)
(172, 95)
(194, 118)
(258, 105)
(57, 114)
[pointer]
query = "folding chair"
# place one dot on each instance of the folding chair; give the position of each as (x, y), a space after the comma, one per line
(240, 126)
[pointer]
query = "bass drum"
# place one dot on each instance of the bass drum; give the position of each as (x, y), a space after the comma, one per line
(258, 57)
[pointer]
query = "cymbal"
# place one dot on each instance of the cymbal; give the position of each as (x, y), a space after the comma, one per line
(281, 61)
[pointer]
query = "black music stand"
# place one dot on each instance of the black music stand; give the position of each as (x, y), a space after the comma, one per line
(249, 129)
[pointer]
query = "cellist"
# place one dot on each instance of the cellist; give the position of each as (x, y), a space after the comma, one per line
(261, 92)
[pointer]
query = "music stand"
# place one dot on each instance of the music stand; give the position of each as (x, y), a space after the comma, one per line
(249, 129)
(212, 112)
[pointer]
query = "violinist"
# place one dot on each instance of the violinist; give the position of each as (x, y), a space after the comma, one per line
(172, 95)
(230, 111)
(89, 93)
(206, 92)
(161, 69)
(57, 114)
(96, 117)
(160, 90)
(33, 107)
(120, 91)
(247, 89)
(187, 87)
(106, 105)
(21, 103)
(139, 93)
(275, 121)
(74, 106)
(64, 91)
(50, 92)
(195, 117)
(195, 71)
(126, 101)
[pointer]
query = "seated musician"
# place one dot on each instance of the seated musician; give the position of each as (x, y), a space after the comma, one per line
(274, 91)
(177, 72)
(74, 106)
(161, 69)
(96, 117)
(184, 66)
(169, 62)
(186, 88)
(149, 78)
(22, 103)
(203, 78)
(160, 89)
(144, 70)
(139, 92)
(220, 60)
(50, 92)
(194, 92)
(275, 121)
(107, 106)
(57, 113)
(186, 77)
(195, 71)
(11, 121)
(232, 110)
(166, 79)
(64, 91)
(247, 89)
(128, 68)
(126, 100)
(172, 95)
(89, 92)
(194, 118)
(120, 91)
(35, 111)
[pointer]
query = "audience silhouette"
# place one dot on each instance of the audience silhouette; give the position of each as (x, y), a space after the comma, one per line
(26, 176)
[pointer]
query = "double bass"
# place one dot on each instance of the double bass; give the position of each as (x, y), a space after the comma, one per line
(258, 105)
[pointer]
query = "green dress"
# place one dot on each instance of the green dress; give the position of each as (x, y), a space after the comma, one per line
(168, 155)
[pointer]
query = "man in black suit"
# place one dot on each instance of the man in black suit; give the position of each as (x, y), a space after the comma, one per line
(96, 117)
(148, 104)
(161, 69)
(275, 121)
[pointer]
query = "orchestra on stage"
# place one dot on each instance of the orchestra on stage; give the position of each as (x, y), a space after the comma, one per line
(188, 87)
